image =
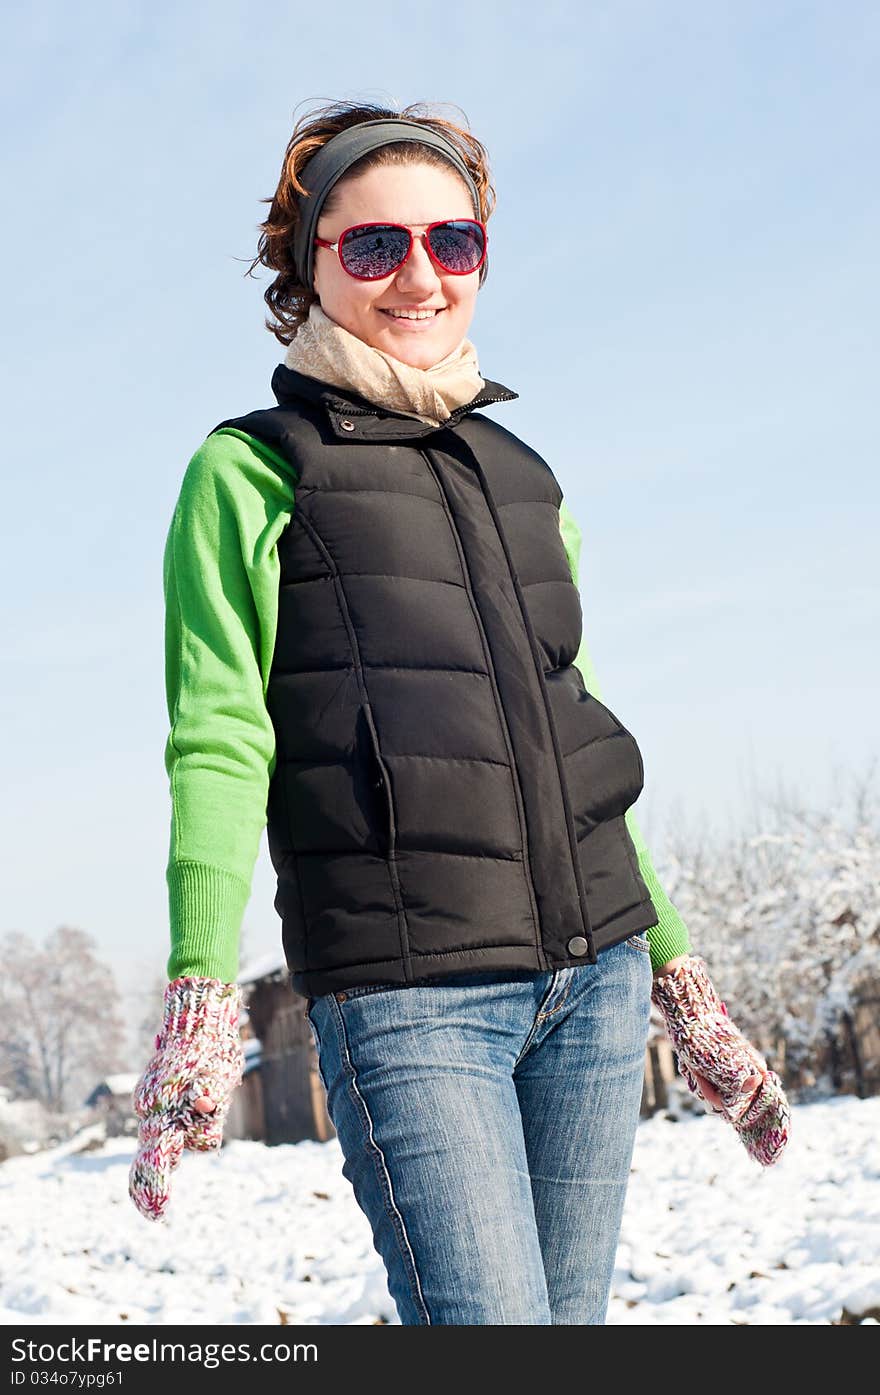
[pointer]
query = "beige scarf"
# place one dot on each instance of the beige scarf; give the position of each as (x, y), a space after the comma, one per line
(323, 349)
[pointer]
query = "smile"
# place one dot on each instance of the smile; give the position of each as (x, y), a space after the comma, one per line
(412, 317)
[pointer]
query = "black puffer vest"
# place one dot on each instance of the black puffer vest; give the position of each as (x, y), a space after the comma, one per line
(446, 796)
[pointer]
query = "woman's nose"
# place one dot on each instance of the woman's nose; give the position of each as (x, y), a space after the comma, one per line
(418, 269)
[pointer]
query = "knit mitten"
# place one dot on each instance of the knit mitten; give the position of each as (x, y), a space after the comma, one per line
(707, 1043)
(198, 1054)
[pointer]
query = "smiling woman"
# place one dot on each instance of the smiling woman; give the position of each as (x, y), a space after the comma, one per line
(440, 301)
(405, 290)
(303, 216)
(373, 624)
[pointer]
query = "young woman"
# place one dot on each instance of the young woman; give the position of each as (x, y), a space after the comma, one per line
(374, 647)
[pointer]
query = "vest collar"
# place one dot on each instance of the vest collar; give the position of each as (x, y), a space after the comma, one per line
(355, 418)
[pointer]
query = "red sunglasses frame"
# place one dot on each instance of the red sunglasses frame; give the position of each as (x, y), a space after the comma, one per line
(440, 222)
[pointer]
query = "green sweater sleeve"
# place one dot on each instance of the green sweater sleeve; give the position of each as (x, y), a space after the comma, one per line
(669, 937)
(220, 574)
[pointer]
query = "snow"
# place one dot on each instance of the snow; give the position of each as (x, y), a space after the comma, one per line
(252, 1233)
(121, 1084)
(25, 1126)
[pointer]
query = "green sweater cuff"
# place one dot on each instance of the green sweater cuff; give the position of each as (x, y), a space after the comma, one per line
(669, 937)
(206, 907)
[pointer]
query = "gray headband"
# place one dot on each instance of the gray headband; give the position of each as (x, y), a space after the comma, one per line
(334, 158)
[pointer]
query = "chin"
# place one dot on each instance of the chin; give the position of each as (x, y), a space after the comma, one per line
(426, 358)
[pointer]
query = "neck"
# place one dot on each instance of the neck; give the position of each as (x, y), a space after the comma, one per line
(323, 349)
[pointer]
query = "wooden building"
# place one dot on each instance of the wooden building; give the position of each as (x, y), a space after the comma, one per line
(111, 1100)
(281, 1098)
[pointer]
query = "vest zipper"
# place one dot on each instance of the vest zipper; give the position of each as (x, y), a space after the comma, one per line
(459, 411)
(542, 684)
(502, 716)
(453, 418)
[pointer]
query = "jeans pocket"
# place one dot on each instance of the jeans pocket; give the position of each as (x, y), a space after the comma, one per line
(639, 942)
(362, 990)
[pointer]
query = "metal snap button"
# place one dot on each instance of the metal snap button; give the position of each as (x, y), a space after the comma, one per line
(346, 424)
(577, 945)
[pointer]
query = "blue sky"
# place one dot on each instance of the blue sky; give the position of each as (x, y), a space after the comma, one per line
(683, 291)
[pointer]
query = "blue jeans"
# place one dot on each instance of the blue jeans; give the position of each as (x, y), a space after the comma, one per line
(487, 1124)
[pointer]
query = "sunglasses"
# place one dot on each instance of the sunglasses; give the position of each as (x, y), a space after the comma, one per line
(371, 251)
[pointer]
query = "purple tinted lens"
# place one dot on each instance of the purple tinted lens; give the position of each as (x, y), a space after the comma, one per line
(375, 251)
(458, 245)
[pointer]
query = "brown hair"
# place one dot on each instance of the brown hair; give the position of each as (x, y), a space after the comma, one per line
(287, 298)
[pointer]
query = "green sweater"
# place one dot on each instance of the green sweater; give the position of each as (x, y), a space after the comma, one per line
(221, 576)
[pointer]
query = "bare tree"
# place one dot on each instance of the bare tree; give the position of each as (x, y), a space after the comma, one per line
(16, 1062)
(149, 1018)
(60, 1003)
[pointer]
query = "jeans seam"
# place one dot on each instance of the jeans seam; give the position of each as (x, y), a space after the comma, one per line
(381, 1164)
(533, 1030)
(542, 1016)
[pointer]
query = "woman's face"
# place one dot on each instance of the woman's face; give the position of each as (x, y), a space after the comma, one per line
(414, 195)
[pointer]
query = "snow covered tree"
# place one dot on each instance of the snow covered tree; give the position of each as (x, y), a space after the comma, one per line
(787, 916)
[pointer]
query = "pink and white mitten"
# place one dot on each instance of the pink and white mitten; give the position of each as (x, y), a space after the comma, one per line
(708, 1044)
(199, 1055)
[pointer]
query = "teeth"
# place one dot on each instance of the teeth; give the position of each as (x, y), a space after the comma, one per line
(412, 314)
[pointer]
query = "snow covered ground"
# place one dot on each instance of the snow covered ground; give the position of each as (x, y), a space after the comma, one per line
(259, 1234)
